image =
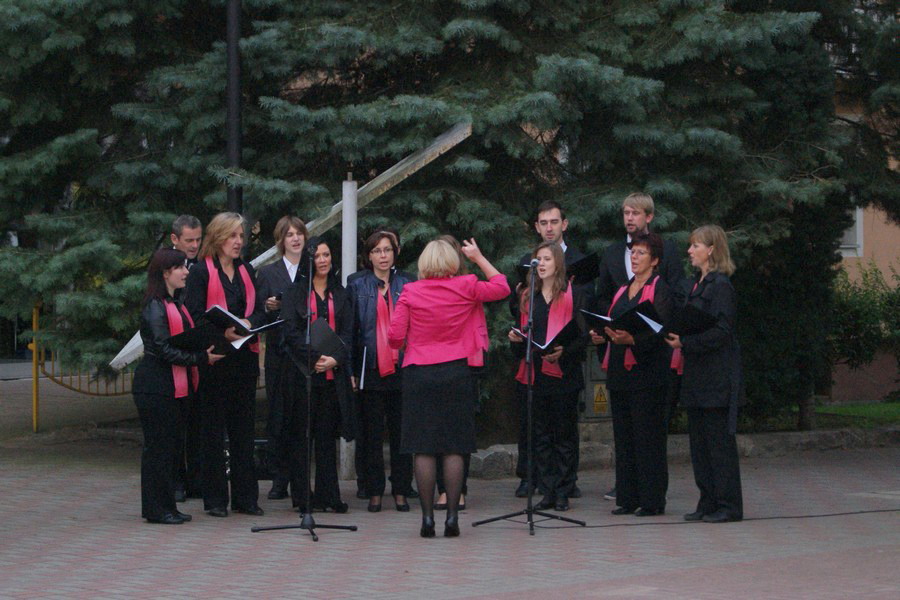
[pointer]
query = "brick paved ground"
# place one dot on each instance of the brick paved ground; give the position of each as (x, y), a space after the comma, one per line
(72, 529)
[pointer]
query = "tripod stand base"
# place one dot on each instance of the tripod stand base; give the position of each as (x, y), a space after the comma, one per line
(530, 512)
(306, 522)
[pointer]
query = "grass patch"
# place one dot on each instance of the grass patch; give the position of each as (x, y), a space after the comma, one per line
(875, 414)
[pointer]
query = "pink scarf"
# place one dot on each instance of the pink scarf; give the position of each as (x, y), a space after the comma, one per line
(329, 374)
(387, 357)
(647, 295)
(215, 293)
(179, 373)
(677, 362)
(559, 317)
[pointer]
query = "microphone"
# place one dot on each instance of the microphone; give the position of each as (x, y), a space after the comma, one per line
(534, 262)
(311, 247)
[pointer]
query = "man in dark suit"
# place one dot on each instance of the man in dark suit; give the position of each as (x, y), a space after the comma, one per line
(615, 268)
(551, 224)
(186, 235)
(272, 281)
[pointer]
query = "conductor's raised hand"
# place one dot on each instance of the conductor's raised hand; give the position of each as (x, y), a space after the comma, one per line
(212, 357)
(471, 250)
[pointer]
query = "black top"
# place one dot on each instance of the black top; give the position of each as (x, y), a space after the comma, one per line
(244, 362)
(613, 274)
(650, 351)
(154, 373)
(571, 358)
(273, 279)
(712, 359)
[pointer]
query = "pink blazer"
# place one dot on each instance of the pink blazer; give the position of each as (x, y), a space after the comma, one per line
(442, 319)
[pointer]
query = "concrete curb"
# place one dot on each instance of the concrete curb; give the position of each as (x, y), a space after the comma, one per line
(499, 461)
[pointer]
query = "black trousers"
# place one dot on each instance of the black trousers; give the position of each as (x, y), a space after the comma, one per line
(556, 442)
(228, 405)
(639, 429)
(522, 459)
(325, 421)
(278, 449)
(715, 460)
(189, 457)
(160, 420)
(380, 408)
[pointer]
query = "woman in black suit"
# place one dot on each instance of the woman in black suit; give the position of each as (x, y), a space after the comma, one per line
(637, 379)
(373, 295)
(165, 378)
(273, 280)
(331, 408)
(711, 387)
(557, 375)
(228, 388)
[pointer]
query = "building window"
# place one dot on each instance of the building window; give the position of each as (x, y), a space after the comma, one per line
(852, 241)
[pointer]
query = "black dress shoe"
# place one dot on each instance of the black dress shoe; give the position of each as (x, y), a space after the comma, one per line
(694, 516)
(180, 496)
(338, 507)
(522, 490)
(220, 511)
(451, 526)
(361, 494)
(278, 491)
(301, 508)
(720, 516)
(427, 530)
(254, 510)
(562, 504)
(401, 506)
(412, 494)
(545, 503)
(374, 507)
(440, 506)
(622, 510)
(649, 512)
(576, 492)
(183, 516)
(167, 519)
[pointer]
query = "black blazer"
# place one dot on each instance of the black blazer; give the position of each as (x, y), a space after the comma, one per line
(154, 373)
(364, 290)
(712, 359)
(571, 359)
(651, 352)
(613, 274)
(294, 308)
(244, 363)
(273, 279)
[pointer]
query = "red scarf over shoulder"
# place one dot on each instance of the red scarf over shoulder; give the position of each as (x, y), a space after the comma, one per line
(215, 293)
(559, 316)
(648, 293)
(176, 326)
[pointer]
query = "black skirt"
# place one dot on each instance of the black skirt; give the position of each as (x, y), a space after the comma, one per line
(438, 409)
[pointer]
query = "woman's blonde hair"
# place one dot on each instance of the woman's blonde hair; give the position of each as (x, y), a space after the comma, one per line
(557, 283)
(438, 259)
(218, 230)
(456, 246)
(714, 236)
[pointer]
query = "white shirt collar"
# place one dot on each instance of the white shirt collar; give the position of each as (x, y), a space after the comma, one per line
(291, 267)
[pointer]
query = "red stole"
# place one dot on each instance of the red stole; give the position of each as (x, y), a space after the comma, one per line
(386, 356)
(215, 293)
(677, 362)
(176, 326)
(329, 374)
(648, 293)
(559, 316)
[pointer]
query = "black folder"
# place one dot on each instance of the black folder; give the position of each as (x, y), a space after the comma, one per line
(325, 341)
(202, 337)
(690, 320)
(564, 337)
(640, 319)
(224, 319)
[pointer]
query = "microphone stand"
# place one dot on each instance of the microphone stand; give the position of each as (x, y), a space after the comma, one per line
(529, 511)
(306, 519)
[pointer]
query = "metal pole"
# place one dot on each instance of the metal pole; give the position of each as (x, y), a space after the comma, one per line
(348, 267)
(233, 99)
(35, 397)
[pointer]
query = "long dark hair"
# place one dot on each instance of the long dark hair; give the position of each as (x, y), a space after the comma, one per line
(161, 261)
(557, 283)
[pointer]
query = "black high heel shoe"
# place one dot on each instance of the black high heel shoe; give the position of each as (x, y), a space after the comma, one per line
(451, 526)
(374, 507)
(427, 530)
(401, 506)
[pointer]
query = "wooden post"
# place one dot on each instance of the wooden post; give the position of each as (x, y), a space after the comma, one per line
(33, 346)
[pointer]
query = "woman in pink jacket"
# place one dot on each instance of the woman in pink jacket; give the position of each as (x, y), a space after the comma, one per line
(435, 317)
